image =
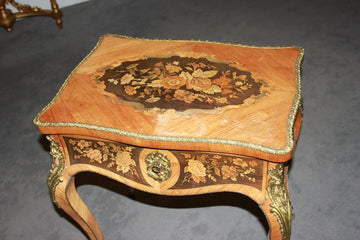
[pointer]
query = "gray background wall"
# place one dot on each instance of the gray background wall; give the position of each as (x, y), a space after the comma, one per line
(36, 57)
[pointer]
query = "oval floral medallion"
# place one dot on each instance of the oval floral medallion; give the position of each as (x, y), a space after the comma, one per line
(178, 83)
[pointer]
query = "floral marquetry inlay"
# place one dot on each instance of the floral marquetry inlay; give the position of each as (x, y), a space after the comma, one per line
(214, 168)
(116, 157)
(178, 83)
(195, 169)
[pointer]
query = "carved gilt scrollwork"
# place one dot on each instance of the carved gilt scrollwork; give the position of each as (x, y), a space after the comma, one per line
(281, 205)
(23, 8)
(57, 165)
(8, 18)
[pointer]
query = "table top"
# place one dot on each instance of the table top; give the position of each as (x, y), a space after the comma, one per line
(189, 95)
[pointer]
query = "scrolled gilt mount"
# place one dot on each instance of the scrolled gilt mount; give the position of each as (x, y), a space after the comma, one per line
(8, 18)
(57, 166)
(281, 205)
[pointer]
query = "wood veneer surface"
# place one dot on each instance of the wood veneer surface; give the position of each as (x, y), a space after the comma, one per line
(260, 126)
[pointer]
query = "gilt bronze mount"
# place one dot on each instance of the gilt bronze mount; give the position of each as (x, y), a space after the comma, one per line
(8, 18)
(281, 204)
(57, 165)
(158, 166)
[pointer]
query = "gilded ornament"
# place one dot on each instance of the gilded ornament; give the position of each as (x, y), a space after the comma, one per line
(158, 166)
(8, 18)
(57, 165)
(281, 205)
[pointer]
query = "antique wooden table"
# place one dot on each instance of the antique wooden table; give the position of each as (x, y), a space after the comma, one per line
(178, 118)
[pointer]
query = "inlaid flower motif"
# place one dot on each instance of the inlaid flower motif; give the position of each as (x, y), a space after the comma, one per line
(123, 161)
(206, 168)
(197, 171)
(226, 91)
(186, 75)
(94, 155)
(199, 84)
(109, 154)
(253, 163)
(172, 68)
(173, 82)
(115, 148)
(184, 96)
(224, 83)
(196, 168)
(240, 162)
(82, 144)
(229, 172)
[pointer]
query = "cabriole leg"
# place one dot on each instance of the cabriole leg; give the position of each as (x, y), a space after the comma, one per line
(64, 194)
(277, 207)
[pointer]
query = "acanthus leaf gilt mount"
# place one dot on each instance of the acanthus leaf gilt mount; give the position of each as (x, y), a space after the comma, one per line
(281, 204)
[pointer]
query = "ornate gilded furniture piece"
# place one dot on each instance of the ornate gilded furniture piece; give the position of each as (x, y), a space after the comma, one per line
(178, 118)
(8, 18)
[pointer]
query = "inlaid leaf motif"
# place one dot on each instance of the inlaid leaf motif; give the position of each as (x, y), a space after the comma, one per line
(132, 66)
(115, 82)
(126, 79)
(204, 74)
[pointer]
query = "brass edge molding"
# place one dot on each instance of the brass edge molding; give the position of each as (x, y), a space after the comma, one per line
(197, 41)
(301, 107)
(276, 151)
(281, 205)
(57, 165)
